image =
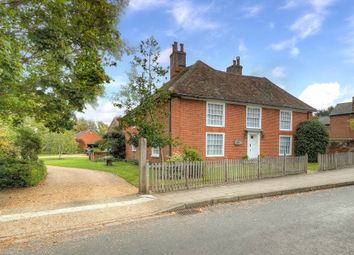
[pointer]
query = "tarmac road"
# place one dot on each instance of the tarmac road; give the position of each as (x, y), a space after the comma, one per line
(319, 222)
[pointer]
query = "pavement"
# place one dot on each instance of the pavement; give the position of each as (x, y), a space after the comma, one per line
(98, 214)
(307, 223)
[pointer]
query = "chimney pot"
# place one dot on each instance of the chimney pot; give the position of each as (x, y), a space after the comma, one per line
(174, 47)
(238, 60)
(236, 67)
(182, 47)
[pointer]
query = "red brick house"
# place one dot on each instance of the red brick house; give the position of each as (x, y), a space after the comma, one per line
(339, 121)
(225, 114)
(87, 138)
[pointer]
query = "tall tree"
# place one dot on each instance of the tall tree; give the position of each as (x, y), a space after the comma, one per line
(83, 125)
(142, 99)
(52, 57)
(324, 112)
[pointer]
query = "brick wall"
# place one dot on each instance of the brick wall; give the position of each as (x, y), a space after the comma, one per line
(189, 125)
(339, 127)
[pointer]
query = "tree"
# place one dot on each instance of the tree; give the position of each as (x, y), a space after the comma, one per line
(142, 99)
(311, 138)
(29, 143)
(83, 125)
(114, 142)
(324, 112)
(59, 143)
(102, 127)
(52, 57)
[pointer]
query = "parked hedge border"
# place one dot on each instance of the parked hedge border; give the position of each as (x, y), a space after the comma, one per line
(21, 173)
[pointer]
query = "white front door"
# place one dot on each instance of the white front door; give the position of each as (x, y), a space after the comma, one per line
(253, 145)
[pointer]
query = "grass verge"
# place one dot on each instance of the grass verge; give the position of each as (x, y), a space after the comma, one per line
(312, 166)
(127, 171)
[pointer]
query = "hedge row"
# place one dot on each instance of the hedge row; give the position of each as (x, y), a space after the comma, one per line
(20, 173)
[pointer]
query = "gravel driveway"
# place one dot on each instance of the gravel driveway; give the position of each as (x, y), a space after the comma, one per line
(63, 186)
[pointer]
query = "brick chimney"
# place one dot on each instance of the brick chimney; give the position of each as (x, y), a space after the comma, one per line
(236, 67)
(177, 59)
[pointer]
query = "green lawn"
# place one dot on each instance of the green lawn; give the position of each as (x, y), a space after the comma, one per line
(312, 166)
(127, 171)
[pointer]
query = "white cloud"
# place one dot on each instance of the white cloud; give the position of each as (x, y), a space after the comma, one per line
(105, 111)
(321, 95)
(164, 58)
(278, 72)
(242, 48)
(307, 25)
(252, 10)
(287, 45)
(145, 4)
(192, 17)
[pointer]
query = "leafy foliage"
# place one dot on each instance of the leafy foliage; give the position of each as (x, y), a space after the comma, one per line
(114, 143)
(20, 173)
(7, 142)
(59, 143)
(324, 112)
(189, 154)
(312, 138)
(52, 57)
(29, 143)
(144, 103)
(98, 126)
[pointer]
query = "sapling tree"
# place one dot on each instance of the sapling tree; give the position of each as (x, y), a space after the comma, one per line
(143, 100)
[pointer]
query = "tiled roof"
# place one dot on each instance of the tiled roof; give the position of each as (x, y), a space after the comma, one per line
(342, 108)
(202, 81)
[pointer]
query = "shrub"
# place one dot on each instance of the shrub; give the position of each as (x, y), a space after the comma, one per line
(311, 138)
(20, 173)
(114, 143)
(29, 143)
(189, 154)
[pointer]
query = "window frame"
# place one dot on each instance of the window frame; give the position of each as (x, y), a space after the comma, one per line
(291, 120)
(290, 145)
(207, 110)
(260, 116)
(206, 144)
(133, 148)
(155, 155)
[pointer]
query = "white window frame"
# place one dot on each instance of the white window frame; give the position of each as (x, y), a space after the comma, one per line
(291, 145)
(223, 117)
(206, 144)
(133, 148)
(291, 120)
(260, 116)
(153, 154)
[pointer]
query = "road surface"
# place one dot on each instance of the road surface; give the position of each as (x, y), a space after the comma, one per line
(310, 223)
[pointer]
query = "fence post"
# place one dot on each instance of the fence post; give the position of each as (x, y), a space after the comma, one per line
(226, 166)
(186, 170)
(335, 160)
(258, 166)
(143, 167)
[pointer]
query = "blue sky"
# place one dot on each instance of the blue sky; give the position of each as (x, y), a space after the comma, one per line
(304, 46)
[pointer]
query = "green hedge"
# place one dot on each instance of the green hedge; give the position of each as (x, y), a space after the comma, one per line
(20, 173)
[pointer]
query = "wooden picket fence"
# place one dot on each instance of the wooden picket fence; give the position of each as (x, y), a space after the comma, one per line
(170, 176)
(335, 161)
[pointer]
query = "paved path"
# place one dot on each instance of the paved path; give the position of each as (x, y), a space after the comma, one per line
(65, 186)
(309, 223)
